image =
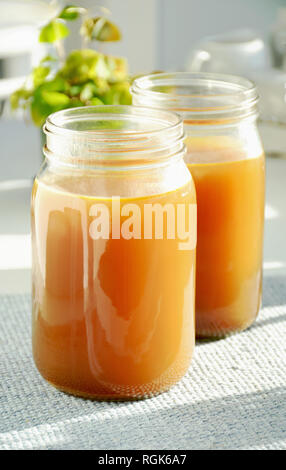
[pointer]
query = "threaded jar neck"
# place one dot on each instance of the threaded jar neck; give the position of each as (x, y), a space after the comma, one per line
(113, 137)
(200, 98)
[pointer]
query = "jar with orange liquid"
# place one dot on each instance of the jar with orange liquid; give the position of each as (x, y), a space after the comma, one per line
(226, 160)
(114, 242)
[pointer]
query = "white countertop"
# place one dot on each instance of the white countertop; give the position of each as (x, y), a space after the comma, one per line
(15, 247)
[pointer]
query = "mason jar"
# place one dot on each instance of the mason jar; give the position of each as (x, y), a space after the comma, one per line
(226, 160)
(114, 243)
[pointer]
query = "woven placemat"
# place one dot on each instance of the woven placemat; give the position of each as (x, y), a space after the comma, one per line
(233, 396)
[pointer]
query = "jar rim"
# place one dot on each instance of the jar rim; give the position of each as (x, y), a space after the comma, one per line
(113, 135)
(198, 95)
(57, 122)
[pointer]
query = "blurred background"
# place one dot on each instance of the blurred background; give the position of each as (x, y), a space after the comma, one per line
(156, 35)
(245, 37)
(166, 31)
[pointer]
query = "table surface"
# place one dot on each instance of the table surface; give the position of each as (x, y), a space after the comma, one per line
(233, 396)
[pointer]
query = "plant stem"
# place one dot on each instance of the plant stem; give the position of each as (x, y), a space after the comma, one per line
(60, 50)
(84, 39)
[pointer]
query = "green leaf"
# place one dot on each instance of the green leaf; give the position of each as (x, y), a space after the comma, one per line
(56, 84)
(46, 101)
(77, 66)
(118, 94)
(39, 74)
(48, 59)
(55, 99)
(19, 97)
(84, 65)
(96, 102)
(87, 92)
(70, 13)
(75, 103)
(40, 110)
(53, 31)
(117, 67)
(101, 86)
(75, 90)
(100, 29)
(99, 68)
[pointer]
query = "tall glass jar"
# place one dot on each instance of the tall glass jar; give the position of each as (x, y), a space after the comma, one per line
(114, 236)
(225, 157)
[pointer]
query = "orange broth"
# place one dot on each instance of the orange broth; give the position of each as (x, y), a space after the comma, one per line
(111, 318)
(230, 198)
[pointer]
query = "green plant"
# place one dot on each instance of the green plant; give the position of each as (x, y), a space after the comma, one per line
(84, 77)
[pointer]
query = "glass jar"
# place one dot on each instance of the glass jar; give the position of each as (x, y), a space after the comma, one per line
(113, 271)
(225, 157)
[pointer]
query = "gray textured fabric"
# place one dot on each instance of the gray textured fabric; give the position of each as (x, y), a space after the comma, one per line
(233, 396)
